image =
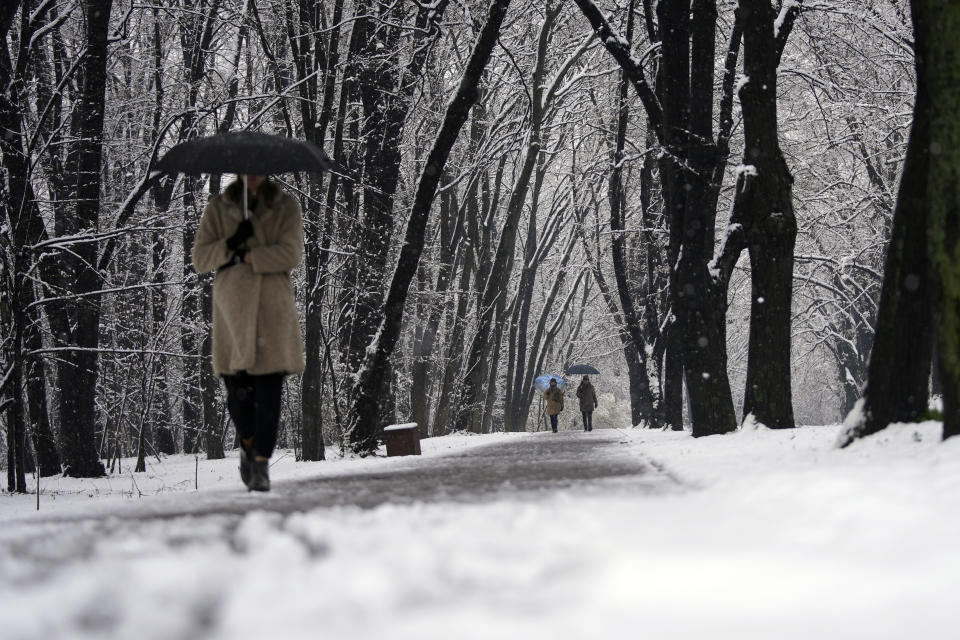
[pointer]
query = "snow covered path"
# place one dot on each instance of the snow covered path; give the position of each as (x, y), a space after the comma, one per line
(615, 534)
(521, 466)
(166, 567)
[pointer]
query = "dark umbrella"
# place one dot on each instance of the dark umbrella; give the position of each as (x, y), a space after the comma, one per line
(244, 152)
(582, 369)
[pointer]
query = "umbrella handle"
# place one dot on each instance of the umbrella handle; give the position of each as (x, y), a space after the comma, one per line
(246, 212)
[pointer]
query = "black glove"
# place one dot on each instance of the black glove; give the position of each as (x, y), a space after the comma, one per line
(236, 258)
(244, 231)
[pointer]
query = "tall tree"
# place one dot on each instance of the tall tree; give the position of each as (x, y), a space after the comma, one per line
(312, 54)
(22, 227)
(680, 113)
(641, 396)
(937, 28)
(386, 89)
(199, 413)
(366, 401)
(897, 378)
(468, 409)
(77, 329)
(763, 207)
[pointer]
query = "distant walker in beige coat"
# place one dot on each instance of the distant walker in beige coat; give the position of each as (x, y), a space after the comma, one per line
(256, 331)
(554, 398)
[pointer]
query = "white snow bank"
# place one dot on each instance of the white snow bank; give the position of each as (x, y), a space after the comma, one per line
(772, 534)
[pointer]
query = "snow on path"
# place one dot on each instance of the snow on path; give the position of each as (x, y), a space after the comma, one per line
(614, 534)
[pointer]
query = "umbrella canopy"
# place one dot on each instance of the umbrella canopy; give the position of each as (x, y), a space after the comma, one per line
(244, 152)
(542, 383)
(582, 369)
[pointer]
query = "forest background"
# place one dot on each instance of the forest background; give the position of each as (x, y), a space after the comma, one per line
(696, 198)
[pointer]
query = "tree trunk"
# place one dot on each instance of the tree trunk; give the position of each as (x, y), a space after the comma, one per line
(366, 400)
(450, 246)
(764, 206)
(191, 342)
(680, 112)
(897, 377)
(468, 407)
(77, 370)
(212, 429)
(386, 97)
(16, 416)
(44, 441)
(686, 92)
(163, 440)
(937, 27)
(23, 227)
(641, 396)
(196, 385)
(308, 52)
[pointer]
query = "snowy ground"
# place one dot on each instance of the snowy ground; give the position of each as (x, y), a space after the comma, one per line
(613, 534)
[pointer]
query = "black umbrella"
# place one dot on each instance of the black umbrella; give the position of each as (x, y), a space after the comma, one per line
(582, 369)
(244, 152)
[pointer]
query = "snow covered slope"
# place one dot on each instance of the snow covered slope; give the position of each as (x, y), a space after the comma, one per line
(613, 534)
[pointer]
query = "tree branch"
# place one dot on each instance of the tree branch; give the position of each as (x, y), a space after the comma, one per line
(619, 48)
(784, 25)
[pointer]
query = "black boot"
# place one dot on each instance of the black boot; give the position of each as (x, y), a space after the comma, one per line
(246, 466)
(259, 474)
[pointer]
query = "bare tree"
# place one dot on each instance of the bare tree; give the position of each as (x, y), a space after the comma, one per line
(366, 403)
(897, 379)
(937, 27)
(763, 219)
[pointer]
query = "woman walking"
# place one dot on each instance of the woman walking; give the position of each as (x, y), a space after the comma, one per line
(256, 332)
(554, 399)
(588, 402)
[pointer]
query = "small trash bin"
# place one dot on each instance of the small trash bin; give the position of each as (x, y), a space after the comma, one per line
(402, 439)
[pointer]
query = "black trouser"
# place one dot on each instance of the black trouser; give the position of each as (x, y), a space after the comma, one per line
(254, 406)
(553, 421)
(587, 420)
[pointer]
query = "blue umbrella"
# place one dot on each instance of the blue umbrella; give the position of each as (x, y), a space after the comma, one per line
(542, 383)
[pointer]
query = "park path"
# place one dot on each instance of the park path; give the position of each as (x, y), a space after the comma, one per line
(474, 519)
(526, 468)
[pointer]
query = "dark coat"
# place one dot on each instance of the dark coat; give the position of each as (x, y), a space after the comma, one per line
(587, 397)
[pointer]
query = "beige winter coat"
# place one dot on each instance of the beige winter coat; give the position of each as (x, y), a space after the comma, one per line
(255, 324)
(554, 399)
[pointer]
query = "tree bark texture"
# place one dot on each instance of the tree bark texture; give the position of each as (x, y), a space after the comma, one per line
(310, 54)
(387, 95)
(680, 114)
(641, 396)
(937, 28)
(897, 377)
(450, 246)
(77, 369)
(763, 204)
(467, 405)
(22, 227)
(370, 380)
(685, 88)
